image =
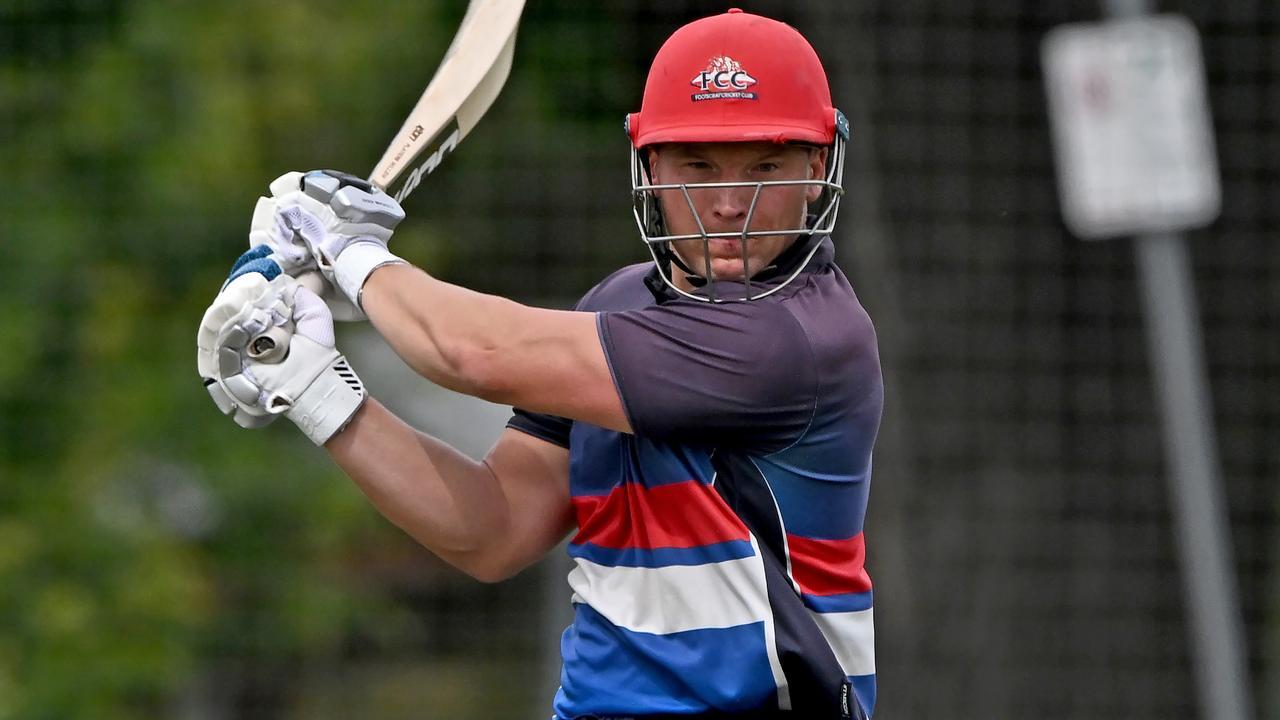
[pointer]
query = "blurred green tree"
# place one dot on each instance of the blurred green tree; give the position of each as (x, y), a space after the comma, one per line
(141, 535)
(151, 553)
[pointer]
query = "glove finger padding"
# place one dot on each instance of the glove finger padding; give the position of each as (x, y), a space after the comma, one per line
(285, 184)
(290, 229)
(250, 302)
(313, 218)
(306, 222)
(248, 306)
(267, 228)
(331, 213)
(311, 384)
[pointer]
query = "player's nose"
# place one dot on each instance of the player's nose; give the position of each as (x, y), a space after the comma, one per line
(731, 203)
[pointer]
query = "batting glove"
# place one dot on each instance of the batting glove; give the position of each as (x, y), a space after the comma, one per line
(332, 222)
(266, 348)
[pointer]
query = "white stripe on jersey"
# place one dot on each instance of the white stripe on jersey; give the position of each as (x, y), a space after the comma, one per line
(675, 598)
(852, 638)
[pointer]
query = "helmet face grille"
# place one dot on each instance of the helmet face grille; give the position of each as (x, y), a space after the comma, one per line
(647, 211)
(730, 78)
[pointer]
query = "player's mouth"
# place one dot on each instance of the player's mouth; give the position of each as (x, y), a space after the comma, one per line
(725, 247)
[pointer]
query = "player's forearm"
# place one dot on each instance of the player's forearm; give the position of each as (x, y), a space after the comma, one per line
(453, 336)
(547, 361)
(449, 503)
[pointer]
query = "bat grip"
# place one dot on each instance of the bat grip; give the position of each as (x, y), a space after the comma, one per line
(272, 345)
(313, 281)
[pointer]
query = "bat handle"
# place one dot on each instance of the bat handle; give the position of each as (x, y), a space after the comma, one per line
(272, 345)
(313, 281)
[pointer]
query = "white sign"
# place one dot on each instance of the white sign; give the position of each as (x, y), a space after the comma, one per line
(1131, 126)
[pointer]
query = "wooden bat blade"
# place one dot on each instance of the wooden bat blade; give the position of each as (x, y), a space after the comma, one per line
(473, 71)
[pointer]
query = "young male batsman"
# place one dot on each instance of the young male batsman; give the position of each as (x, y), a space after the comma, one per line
(701, 425)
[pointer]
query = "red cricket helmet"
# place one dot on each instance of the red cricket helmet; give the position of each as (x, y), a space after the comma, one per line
(735, 77)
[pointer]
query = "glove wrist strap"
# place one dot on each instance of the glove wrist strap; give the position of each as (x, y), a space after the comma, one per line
(356, 263)
(328, 403)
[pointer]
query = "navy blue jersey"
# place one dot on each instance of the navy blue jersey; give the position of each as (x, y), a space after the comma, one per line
(719, 553)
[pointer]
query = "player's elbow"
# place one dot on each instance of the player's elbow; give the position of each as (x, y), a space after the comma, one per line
(489, 567)
(483, 371)
(493, 574)
(460, 364)
(490, 557)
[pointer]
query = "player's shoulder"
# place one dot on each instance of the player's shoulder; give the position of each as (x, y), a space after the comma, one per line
(624, 289)
(828, 309)
(839, 333)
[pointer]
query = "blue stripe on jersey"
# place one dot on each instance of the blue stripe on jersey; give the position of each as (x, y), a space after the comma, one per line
(848, 602)
(611, 671)
(660, 463)
(864, 686)
(822, 508)
(596, 464)
(662, 557)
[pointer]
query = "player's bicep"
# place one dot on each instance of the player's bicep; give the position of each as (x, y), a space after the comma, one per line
(556, 365)
(534, 477)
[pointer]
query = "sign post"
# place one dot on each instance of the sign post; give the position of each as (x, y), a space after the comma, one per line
(1135, 156)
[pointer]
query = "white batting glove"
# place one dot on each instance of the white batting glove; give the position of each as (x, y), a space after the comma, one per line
(266, 348)
(332, 222)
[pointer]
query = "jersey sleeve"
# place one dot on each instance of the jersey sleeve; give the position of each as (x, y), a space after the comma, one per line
(552, 428)
(722, 375)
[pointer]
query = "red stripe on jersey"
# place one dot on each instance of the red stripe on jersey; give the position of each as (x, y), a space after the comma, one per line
(676, 515)
(829, 567)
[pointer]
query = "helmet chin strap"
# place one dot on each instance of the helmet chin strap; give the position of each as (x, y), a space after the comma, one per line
(671, 257)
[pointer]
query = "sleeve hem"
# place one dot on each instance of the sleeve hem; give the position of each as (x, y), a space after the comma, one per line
(606, 344)
(533, 431)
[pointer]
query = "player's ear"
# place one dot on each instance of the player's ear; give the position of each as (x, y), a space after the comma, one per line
(817, 171)
(651, 154)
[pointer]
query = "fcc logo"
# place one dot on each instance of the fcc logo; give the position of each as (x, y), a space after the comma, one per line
(723, 79)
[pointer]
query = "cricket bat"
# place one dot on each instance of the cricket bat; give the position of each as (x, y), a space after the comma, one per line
(472, 73)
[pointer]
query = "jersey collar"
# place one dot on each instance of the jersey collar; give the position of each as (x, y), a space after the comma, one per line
(777, 272)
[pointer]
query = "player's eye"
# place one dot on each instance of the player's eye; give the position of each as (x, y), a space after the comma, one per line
(768, 167)
(698, 165)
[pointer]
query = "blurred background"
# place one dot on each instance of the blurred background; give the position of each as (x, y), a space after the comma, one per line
(156, 561)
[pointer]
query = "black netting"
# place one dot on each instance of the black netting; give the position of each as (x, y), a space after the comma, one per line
(1020, 530)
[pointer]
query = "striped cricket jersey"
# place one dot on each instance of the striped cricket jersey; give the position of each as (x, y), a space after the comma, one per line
(719, 552)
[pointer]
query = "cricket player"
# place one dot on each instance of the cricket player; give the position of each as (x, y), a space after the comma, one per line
(700, 427)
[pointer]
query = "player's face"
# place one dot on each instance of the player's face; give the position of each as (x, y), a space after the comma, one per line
(780, 207)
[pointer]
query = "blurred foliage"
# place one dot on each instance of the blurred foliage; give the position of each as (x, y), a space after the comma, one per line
(143, 538)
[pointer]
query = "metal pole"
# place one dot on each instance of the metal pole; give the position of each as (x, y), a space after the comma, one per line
(1204, 543)
(1191, 454)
